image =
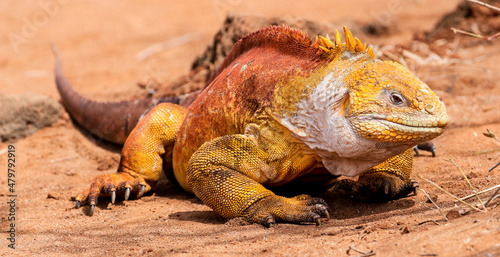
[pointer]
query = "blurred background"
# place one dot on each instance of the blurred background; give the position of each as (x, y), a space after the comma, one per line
(99, 40)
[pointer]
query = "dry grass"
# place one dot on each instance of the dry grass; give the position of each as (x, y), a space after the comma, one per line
(471, 34)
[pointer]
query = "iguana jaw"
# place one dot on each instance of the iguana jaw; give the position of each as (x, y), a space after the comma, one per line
(390, 129)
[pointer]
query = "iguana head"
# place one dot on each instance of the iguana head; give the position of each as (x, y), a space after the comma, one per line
(387, 103)
(356, 111)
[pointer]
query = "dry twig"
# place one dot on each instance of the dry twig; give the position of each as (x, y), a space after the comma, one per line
(439, 209)
(455, 30)
(498, 164)
(490, 134)
(493, 197)
(450, 194)
(489, 38)
(484, 191)
(369, 253)
(468, 181)
(485, 5)
(496, 194)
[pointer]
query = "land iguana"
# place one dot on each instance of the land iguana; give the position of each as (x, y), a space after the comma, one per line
(281, 109)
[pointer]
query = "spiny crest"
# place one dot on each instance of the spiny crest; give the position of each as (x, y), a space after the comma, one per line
(353, 44)
(297, 34)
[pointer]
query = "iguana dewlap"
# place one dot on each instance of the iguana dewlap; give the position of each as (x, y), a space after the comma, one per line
(280, 109)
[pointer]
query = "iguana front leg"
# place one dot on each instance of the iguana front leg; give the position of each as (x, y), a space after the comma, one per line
(227, 174)
(386, 181)
(142, 157)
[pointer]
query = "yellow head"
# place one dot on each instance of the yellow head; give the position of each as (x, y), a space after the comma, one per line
(384, 101)
(388, 103)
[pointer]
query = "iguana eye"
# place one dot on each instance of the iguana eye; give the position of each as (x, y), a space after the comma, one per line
(397, 99)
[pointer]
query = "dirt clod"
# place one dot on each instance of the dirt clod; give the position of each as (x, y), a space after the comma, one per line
(453, 214)
(24, 114)
(52, 196)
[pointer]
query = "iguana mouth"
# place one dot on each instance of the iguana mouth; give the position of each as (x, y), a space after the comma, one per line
(437, 123)
(432, 128)
(390, 121)
(387, 128)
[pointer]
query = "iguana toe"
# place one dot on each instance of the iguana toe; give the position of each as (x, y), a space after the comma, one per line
(377, 187)
(412, 186)
(270, 222)
(325, 213)
(120, 183)
(427, 146)
(300, 209)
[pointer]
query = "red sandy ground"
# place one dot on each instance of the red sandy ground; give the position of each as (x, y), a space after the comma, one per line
(99, 40)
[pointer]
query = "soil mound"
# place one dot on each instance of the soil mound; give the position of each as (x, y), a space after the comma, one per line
(24, 114)
(469, 17)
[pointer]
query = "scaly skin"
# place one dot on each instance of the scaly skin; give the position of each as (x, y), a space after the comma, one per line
(282, 109)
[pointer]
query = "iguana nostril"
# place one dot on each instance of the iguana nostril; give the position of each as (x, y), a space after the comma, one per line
(430, 108)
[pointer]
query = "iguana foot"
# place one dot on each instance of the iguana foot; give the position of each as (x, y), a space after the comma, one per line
(298, 209)
(377, 187)
(427, 146)
(120, 183)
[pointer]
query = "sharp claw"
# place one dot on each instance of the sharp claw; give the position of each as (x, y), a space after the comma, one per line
(415, 149)
(433, 151)
(142, 190)
(415, 186)
(77, 205)
(270, 222)
(387, 187)
(127, 193)
(327, 215)
(113, 196)
(91, 213)
(428, 146)
(318, 222)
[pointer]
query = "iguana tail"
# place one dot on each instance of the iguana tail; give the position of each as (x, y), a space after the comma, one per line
(111, 121)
